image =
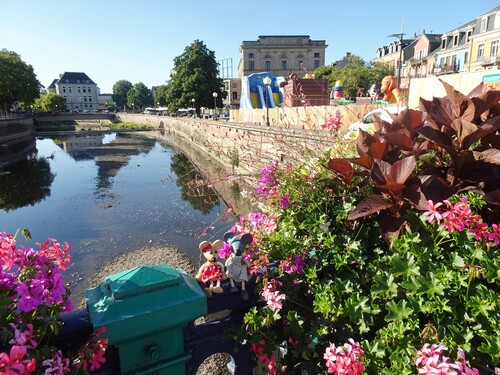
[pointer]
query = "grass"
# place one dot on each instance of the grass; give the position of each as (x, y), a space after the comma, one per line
(128, 125)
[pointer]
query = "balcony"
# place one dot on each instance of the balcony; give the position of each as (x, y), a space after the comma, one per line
(490, 60)
(447, 69)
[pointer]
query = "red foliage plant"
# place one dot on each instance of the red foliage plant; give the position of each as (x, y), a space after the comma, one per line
(450, 146)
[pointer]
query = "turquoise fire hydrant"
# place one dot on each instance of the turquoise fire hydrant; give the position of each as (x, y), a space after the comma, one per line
(145, 310)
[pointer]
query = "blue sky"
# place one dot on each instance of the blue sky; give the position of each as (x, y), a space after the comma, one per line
(138, 40)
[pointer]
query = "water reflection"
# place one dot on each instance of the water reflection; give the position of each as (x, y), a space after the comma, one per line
(106, 196)
(192, 184)
(25, 183)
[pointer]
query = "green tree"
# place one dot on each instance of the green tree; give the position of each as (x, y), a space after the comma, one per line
(50, 102)
(161, 95)
(380, 70)
(120, 91)
(195, 77)
(18, 81)
(356, 74)
(139, 96)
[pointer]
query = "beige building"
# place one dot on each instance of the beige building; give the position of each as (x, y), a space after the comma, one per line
(485, 40)
(79, 91)
(232, 86)
(280, 55)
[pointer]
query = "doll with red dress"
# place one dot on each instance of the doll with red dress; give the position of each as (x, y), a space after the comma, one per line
(211, 273)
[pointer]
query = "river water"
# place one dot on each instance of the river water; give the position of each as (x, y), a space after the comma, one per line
(107, 195)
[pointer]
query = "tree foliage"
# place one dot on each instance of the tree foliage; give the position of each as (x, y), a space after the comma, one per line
(139, 96)
(50, 102)
(160, 95)
(18, 82)
(195, 77)
(356, 74)
(120, 91)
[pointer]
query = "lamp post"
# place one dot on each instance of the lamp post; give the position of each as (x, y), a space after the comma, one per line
(267, 82)
(400, 61)
(215, 95)
(194, 109)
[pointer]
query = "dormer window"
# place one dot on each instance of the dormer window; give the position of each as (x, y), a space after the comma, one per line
(484, 24)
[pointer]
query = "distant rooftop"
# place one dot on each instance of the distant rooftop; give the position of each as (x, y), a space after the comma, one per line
(75, 77)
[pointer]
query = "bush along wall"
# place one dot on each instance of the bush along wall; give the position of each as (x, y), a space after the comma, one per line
(384, 261)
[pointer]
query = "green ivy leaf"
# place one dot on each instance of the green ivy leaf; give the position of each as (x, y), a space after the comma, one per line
(397, 312)
(385, 286)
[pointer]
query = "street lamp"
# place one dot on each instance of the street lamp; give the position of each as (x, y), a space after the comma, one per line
(267, 82)
(400, 62)
(194, 109)
(215, 95)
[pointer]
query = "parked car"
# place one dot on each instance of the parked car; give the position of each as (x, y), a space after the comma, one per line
(366, 123)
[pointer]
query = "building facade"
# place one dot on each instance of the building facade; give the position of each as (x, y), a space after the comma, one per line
(232, 86)
(485, 40)
(79, 91)
(395, 55)
(423, 61)
(280, 55)
(453, 55)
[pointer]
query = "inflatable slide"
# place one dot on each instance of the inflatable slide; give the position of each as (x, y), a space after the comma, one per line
(254, 94)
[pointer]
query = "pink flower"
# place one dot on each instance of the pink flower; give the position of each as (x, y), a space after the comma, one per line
(272, 296)
(225, 251)
(431, 361)
(433, 214)
(58, 364)
(24, 338)
(344, 359)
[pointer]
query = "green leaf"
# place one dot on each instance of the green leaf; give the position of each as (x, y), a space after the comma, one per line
(397, 312)
(430, 285)
(384, 286)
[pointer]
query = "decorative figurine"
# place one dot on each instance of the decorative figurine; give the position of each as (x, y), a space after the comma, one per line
(212, 271)
(236, 265)
(389, 90)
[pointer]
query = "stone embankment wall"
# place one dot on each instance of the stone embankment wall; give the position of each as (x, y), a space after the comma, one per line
(17, 139)
(246, 146)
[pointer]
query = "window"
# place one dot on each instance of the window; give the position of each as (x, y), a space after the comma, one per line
(235, 95)
(443, 43)
(497, 21)
(84, 98)
(64, 89)
(466, 57)
(250, 55)
(78, 89)
(88, 89)
(469, 34)
(299, 64)
(455, 40)
(484, 24)
(480, 51)
(494, 48)
(283, 65)
(83, 89)
(234, 85)
(268, 65)
(251, 65)
(69, 88)
(90, 98)
(316, 64)
(316, 55)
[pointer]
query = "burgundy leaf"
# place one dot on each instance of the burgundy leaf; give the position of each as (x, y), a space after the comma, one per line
(413, 194)
(489, 126)
(343, 168)
(461, 104)
(437, 137)
(380, 172)
(463, 128)
(493, 197)
(409, 119)
(364, 161)
(403, 169)
(368, 206)
(491, 156)
(399, 139)
(485, 102)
